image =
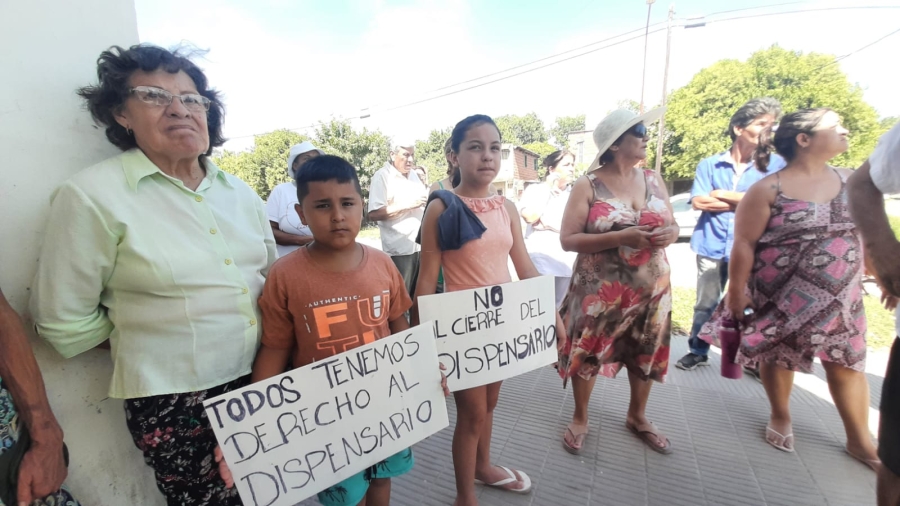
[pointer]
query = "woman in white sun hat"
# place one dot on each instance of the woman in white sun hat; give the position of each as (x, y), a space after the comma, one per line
(618, 307)
(290, 232)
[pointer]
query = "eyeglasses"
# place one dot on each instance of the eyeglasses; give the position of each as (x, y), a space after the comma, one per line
(157, 96)
(639, 130)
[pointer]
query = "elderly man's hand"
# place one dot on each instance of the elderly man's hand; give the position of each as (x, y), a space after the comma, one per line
(42, 472)
(885, 259)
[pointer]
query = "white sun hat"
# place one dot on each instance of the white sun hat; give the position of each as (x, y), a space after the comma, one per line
(297, 150)
(617, 123)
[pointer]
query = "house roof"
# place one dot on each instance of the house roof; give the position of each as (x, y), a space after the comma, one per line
(520, 171)
(528, 151)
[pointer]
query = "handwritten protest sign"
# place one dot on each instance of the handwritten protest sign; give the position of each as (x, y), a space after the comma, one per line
(493, 333)
(291, 436)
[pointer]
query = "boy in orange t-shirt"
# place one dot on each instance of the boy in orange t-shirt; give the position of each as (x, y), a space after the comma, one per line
(329, 297)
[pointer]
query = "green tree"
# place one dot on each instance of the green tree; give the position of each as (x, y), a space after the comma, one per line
(542, 149)
(265, 165)
(367, 150)
(698, 113)
(430, 154)
(632, 105)
(521, 130)
(888, 123)
(559, 133)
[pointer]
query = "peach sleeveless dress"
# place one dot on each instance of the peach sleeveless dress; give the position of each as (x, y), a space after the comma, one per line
(481, 262)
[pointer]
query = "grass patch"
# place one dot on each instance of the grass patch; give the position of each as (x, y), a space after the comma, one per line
(880, 320)
(881, 324)
(894, 221)
(683, 300)
(370, 232)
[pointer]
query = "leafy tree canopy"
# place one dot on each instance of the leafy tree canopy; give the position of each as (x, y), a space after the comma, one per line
(521, 130)
(698, 113)
(559, 132)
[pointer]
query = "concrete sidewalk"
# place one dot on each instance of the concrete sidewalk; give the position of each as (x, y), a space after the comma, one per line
(716, 427)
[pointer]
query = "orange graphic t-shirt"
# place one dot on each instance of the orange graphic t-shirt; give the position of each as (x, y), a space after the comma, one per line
(318, 313)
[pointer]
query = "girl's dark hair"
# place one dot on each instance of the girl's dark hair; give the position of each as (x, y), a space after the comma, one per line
(783, 140)
(553, 159)
(114, 69)
(459, 134)
(459, 131)
(325, 168)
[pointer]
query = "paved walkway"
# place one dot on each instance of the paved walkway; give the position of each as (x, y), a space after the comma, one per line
(716, 427)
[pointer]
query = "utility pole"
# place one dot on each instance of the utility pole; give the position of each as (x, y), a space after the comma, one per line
(662, 121)
(646, 36)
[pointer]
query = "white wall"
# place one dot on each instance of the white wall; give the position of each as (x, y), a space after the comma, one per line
(50, 48)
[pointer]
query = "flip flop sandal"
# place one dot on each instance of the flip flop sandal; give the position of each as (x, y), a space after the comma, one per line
(781, 441)
(501, 484)
(874, 464)
(577, 438)
(643, 432)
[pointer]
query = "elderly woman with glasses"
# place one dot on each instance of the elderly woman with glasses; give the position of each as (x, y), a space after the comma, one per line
(617, 310)
(165, 255)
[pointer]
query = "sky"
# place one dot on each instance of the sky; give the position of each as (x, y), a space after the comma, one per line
(293, 63)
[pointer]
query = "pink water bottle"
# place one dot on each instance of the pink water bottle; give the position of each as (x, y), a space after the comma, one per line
(730, 340)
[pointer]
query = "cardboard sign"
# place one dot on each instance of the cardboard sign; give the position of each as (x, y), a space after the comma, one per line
(294, 435)
(493, 333)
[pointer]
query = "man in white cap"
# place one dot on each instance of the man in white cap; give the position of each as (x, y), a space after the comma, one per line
(397, 202)
(719, 184)
(290, 233)
(866, 189)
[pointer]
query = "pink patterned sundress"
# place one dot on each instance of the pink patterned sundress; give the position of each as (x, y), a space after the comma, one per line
(806, 288)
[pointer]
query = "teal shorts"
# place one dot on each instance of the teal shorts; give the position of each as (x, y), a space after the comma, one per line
(352, 490)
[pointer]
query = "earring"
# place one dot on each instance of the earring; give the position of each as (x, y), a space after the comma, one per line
(129, 131)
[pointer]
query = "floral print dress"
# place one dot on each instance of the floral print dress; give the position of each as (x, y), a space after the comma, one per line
(617, 311)
(9, 434)
(806, 288)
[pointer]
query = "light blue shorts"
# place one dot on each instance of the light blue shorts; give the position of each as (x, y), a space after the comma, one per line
(352, 490)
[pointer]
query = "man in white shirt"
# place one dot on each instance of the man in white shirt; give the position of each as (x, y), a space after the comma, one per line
(397, 202)
(866, 187)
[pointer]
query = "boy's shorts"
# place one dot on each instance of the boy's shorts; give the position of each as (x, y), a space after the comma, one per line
(352, 490)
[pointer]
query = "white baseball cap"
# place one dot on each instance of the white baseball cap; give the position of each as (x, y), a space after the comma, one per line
(297, 150)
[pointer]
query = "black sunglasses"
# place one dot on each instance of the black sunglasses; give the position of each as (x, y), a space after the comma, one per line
(639, 130)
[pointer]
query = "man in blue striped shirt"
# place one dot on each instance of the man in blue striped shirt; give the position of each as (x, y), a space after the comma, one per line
(719, 184)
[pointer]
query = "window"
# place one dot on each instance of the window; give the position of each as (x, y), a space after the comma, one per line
(535, 164)
(504, 154)
(526, 162)
(580, 151)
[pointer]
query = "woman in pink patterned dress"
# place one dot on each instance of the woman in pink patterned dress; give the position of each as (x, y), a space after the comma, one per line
(798, 263)
(617, 311)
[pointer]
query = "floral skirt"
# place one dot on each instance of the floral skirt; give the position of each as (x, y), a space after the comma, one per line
(9, 434)
(178, 443)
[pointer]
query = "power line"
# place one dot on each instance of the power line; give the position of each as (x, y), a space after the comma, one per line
(594, 44)
(753, 8)
(800, 11)
(416, 102)
(703, 19)
(851, 53)
(519, 73)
